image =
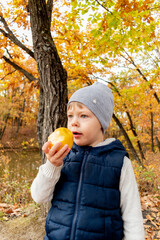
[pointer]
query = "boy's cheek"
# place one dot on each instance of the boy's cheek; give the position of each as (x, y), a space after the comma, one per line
(69, 125)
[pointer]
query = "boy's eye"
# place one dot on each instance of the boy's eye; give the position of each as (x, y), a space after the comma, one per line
(70, 116)
(84, 116)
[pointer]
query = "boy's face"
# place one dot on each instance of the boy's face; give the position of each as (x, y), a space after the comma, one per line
(84, 125)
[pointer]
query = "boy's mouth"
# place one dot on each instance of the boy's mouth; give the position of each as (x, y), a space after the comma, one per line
(76, 134)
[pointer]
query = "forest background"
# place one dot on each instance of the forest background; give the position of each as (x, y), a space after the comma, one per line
(72, 44)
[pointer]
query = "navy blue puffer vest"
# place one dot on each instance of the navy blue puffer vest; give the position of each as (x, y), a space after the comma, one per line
(86, 202)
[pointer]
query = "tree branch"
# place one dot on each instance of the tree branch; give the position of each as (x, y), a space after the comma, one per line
(130, 145)
(30, 77)
(9, 34)
(104, 7)
(8, 74)
(130, 60)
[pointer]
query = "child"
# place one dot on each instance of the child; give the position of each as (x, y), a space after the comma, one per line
(92, 186)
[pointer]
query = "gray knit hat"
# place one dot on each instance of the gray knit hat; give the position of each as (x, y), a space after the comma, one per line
(99, 99)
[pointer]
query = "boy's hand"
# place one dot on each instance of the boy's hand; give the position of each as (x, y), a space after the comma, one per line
(53, 155)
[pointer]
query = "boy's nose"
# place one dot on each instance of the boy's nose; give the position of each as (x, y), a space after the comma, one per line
(75, 122)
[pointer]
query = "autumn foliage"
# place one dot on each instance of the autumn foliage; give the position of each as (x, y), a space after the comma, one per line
(116, 42)
(118, 45)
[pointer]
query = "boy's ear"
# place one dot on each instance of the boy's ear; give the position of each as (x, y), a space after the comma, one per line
(102, 130)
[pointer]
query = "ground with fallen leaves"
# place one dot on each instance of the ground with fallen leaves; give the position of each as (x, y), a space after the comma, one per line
(22, 224)
(151, 214)
(149, 186)
(28, 224)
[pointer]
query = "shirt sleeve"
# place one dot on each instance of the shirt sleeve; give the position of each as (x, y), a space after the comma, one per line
(43, 185)
(130, 204)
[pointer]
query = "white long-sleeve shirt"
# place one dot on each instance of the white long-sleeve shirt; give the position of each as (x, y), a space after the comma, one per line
(42, 190)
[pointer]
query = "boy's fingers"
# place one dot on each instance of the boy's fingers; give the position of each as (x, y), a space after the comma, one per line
(61, 151)
(46, 148)
(60, 155)
(51, 150)
(54, 154)
(54, 148)
(64, 152)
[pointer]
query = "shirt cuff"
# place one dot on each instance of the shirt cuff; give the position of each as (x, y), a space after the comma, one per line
(49, 170)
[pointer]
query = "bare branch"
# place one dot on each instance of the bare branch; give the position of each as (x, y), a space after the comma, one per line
(9, 34)
(30, 77)
(130, 60)
(130, 145)
(126, 58)
(8, 74)
(104, 7)
(9, 53)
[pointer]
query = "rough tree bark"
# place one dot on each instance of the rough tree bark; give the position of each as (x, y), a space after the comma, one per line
(52, 75)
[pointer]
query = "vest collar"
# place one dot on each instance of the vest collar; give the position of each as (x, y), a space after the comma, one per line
(107, 145)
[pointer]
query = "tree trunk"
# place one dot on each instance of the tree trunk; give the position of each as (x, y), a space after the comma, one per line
(20, 117)
(130, 145)
(152, 132)
(158, 143)
(2, 130)
(136, 135)
(52, 75)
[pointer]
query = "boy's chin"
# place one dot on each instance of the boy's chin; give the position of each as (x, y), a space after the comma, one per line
(82, 144)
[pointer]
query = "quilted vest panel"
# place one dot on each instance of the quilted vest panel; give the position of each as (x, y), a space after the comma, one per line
(86, 202)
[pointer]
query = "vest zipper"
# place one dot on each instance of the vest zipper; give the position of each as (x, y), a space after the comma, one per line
(74, 223)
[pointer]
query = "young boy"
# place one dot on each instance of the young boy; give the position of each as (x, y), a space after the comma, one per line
(92, 186)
